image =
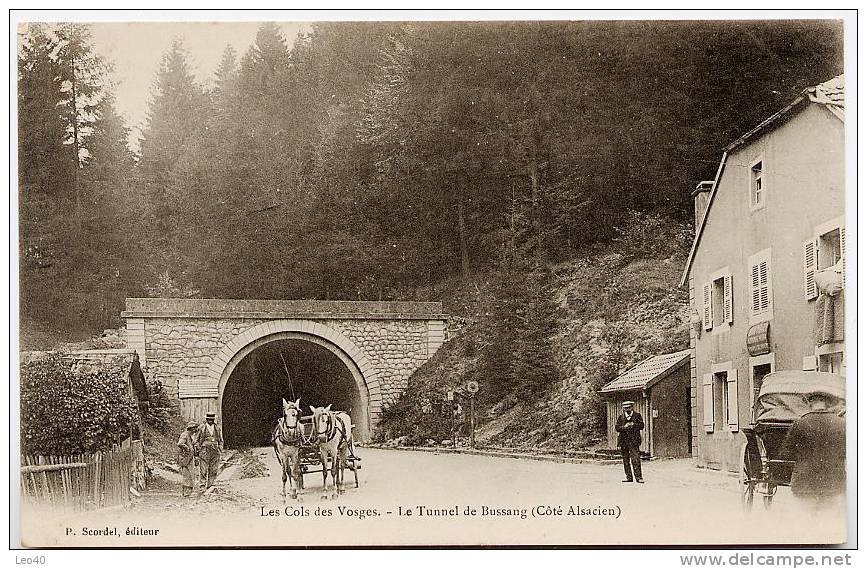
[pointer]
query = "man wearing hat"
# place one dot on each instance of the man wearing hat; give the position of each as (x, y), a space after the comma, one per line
(210, 440)
(629, 426)
(187, 455)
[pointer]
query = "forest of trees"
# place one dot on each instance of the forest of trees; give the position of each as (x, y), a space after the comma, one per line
(372, 160)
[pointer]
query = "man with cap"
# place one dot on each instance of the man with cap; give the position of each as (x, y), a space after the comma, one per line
(210, 441)
(629, 425)
(186, 456)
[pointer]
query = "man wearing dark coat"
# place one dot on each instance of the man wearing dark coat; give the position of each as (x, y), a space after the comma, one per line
(629, 425)
(817, 444)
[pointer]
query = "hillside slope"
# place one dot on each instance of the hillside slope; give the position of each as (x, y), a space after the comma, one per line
(615, 309)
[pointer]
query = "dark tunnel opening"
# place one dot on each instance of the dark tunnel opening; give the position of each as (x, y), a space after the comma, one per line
(252, 398)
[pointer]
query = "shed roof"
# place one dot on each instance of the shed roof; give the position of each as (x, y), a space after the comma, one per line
(829, 94)
(647, 372)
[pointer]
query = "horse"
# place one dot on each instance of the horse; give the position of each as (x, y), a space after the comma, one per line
(334, 431)
(287, 440)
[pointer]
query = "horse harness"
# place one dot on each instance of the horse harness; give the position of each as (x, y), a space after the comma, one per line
(333, 428)
(288, 436)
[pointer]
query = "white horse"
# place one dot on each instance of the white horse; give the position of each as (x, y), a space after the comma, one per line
(334, 431)
(287, 440)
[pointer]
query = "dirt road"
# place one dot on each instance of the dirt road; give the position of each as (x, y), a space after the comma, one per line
(410, 497)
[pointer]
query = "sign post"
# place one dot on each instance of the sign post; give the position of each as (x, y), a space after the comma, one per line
(472, 389)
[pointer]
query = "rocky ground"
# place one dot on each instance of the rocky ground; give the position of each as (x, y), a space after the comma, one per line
(616, 309)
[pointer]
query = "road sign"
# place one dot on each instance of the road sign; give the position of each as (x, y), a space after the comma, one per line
(473, 387)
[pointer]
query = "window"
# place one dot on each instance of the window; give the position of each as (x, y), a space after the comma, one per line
(757, 190)
(829, 249)
(760, 366)
(720, 399)
(717, 299)
(824, 250)
(761, 298)
(832, 363)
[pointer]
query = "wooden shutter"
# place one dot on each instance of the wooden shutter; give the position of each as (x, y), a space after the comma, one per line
(810, 262)
(760, 287)
(708, 306)
(843, 254)
(764, 286)
(732, 398)
(707, 401)
(728, 309)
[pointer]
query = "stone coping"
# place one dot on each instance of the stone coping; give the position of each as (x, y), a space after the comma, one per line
(271, 309)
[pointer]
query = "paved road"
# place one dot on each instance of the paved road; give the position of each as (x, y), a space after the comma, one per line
(466, 499)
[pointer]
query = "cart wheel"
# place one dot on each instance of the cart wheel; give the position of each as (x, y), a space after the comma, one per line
(750, 472)
(355, 472)
(768, 498)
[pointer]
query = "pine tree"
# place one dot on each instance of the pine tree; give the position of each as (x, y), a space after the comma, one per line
(174, 118)
(44, 163)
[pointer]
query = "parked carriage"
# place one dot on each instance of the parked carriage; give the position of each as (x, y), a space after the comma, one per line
(782, 400)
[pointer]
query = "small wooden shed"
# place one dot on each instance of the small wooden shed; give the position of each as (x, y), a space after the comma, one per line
(659, 386)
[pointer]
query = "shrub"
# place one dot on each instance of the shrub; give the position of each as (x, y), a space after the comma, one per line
(159, 409)
(64, 411)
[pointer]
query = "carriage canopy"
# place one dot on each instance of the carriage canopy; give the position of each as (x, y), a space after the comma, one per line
(783, 396)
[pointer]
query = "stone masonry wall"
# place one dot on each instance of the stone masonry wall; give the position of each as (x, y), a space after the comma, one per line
(179, 350)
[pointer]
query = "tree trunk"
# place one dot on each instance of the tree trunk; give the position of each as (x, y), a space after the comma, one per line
(75, 144)
(462, 236)
(536, 213)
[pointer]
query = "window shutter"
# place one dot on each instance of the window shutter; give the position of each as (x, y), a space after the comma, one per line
(810, 262)
(727, 298)
(707, 401)
(708, 306)
(843, 254)
(755, 303)
(732, 389)
(764, 287)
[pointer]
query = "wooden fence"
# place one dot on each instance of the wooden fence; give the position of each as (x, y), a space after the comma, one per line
(79, 482)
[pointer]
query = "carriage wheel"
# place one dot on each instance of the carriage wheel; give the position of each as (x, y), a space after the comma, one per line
(768, 498)
(750, 473)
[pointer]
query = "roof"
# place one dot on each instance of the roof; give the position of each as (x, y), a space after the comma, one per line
(647, 372)
(829, 94)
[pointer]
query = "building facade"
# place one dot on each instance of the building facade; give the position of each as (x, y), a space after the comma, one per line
(769, 225)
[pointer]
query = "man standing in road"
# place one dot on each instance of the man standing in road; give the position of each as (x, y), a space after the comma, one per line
(817, 444)
(211, 443)
(629, 426)
(187, 457)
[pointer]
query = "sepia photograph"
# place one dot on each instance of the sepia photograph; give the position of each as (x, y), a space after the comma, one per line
(434, 279)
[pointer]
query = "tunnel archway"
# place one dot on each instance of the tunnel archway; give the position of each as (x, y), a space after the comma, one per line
(254, 382)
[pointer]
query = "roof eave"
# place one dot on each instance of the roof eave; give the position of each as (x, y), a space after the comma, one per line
(650, 382)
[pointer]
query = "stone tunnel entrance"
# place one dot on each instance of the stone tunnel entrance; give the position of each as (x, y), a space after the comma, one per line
(252, 397)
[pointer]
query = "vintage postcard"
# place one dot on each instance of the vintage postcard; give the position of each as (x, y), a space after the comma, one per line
(509, 279)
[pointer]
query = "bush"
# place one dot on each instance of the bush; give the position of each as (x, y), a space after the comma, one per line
(158, 413)
(67, 412)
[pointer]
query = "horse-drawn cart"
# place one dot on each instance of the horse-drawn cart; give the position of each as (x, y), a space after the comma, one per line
(310, 459)
(783, 399)
(321, 442)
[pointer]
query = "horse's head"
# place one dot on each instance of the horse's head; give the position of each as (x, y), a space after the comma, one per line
(322, 421)
(291, 411)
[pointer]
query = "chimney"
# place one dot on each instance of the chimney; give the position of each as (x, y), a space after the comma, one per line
(700, 196)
